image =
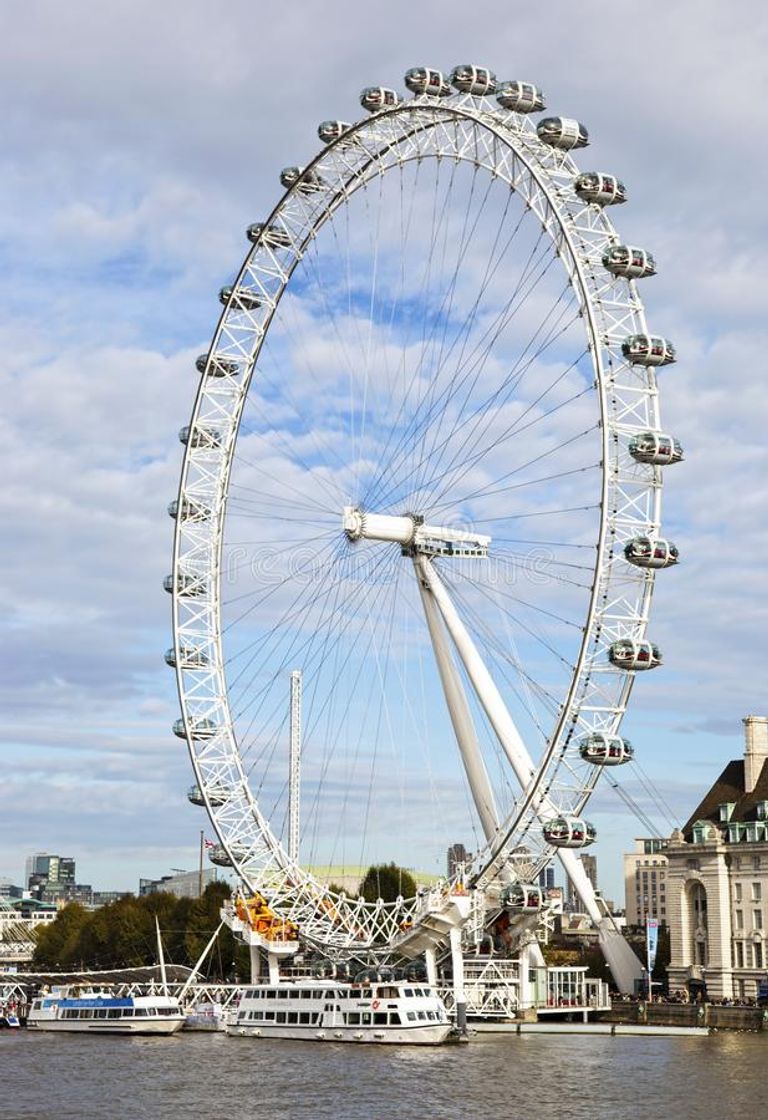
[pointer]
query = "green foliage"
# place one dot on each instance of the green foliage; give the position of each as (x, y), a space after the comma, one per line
(387, 881)
(122, 934)
(60, 941)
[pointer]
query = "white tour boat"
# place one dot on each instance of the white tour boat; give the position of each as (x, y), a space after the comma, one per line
(330, 1011)
(74, 1008)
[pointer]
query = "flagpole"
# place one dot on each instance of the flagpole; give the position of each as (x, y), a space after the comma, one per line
(200, 872)
(648, 955)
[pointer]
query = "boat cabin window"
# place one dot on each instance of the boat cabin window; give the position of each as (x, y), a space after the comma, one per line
(380, 1019)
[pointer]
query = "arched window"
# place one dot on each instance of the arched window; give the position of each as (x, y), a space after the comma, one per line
(697, 923)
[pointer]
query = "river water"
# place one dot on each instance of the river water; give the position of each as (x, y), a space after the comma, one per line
(509, 1077)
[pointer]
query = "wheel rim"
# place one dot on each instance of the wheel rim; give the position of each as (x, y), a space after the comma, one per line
(396, 143)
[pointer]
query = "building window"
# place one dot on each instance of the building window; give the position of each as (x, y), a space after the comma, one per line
(739, 954)
(748, 954)
(692, 864)
(758, 954)
(737, 892)
(757, 919)
(726, 810)
(756, 863)
(757, 892)
(738, 919)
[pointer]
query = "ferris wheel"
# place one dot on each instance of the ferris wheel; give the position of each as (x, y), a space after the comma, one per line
(423, 467)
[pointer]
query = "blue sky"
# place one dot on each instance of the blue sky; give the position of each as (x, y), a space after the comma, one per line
(139, 141)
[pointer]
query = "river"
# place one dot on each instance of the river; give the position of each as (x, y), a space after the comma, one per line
(527, 1077)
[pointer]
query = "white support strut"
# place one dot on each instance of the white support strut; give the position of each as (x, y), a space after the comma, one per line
(620, 957)
(501, 721)
(461, 718)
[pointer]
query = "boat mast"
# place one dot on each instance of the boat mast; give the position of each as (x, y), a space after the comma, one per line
(161, 958)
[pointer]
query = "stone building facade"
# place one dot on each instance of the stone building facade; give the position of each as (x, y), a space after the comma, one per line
(717, 880)
(645, 882)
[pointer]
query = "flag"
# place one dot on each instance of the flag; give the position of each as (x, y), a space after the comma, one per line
(209, 843)
(652, 941)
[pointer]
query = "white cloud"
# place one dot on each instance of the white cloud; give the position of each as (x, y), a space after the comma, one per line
(140, 141)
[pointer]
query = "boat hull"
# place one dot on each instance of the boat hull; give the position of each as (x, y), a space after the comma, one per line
(393, 1036)
(86, 1026)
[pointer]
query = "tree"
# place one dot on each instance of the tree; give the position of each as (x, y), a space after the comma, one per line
(58, 944)
(387, 881)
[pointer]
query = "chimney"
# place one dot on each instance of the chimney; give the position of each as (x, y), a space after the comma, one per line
(755, 749)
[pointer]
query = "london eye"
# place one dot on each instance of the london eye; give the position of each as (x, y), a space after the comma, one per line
(424, 467)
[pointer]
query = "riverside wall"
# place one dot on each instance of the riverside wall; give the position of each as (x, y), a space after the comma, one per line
(713, 1015)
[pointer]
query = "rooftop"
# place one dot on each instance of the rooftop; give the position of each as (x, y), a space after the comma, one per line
(729, 789)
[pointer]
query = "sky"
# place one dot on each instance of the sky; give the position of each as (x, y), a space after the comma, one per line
(138, 142)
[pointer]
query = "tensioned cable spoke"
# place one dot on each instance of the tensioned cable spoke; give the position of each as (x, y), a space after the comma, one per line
(480, 419)
(483, 410)
(411, 433)
(461, 377)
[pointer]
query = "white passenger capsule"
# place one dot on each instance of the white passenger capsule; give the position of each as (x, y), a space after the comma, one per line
(374, 98)
(651, 552)
(634, 654)
(198, 729)
(190, 657)
(242, 299)
(188, 586)
(523, 898)
(605, 750)
(562, 132)
(569, 832)
(648, 350)
(332, 130)
(273, 236)
(306, 181)
(219, 855)
(602, 189)
(656, 448)
(200, 436)
(520, 97)
(218, 366)
(421, 79)
(188, 510)
(629, 261)
(477, 80)
(217, 795)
